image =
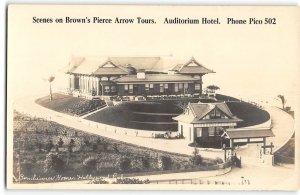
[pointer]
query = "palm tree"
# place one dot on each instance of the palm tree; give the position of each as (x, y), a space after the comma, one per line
(50, 79)
(213, 88)
(283, 100)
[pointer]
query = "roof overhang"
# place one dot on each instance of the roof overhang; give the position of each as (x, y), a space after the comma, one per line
(249, 133)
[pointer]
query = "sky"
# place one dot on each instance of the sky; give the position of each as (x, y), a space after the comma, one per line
(255, 62)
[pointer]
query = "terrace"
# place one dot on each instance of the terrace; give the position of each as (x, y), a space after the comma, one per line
(70, 105)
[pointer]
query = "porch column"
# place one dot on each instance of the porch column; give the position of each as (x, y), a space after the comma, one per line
(231, 144)
(71, 78)
(200, 84)
(93, 83)
(97, 85)
(89, 84)
(85, 84)
(264, 143)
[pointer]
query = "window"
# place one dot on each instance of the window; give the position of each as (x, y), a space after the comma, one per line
(113, 88)
(199, 132)
(197, 86)
(176, 87)
(166, 86)
(180, 86)
(212, 114)
(161, 88)
(147, 86)
(131, 88)
(211, 131)
(106, 88)
(151, 86)
(125, 87)
(187, 111)
(218, 113)
(186, 86)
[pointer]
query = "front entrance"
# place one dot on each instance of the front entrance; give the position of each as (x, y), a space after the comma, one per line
(205, 132)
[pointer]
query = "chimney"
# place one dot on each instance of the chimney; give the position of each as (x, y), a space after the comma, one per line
(141, 74)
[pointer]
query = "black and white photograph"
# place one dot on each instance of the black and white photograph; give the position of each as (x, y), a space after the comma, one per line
(167, 97)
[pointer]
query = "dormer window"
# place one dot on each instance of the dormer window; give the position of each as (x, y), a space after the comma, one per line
(187, 111)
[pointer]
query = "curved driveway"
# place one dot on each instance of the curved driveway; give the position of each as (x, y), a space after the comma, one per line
(261, 175)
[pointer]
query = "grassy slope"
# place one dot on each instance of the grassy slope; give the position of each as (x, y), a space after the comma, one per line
(29, 132)
(68, 104)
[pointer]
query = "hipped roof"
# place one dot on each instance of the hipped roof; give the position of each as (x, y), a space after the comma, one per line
(91, 65)
(200, 110)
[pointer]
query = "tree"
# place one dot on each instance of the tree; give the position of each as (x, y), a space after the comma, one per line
(283, 100)
(146, 163)
(60, 142)
(71, 145)
(196, 159)
(49, 146)
(86, 141)
(39, 145)
(90, 164)
(54, 163)
(50, 80)
(124, 164)
(164, 162)
(213, 88)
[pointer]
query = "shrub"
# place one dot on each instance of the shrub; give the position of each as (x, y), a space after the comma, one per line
(98, 141)
(124, 164)
(196, 160)
(86, 142)
(60, 142)
(164, 162)
(39, 145)
(116, 148)
(54, 163)
(146, 163)
(218, 160)
(90, 164)
(49, 146)
(71, 145)
(95, 147)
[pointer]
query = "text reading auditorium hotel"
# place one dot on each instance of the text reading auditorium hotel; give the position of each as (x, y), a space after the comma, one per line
(135, 76)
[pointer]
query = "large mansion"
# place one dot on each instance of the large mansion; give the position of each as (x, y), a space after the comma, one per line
(135, 76)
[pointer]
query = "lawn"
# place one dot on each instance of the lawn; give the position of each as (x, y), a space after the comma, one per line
(148, 115)
(46, 148)
(69, 104)
(145, 115)
(157, 115)
(251, 114)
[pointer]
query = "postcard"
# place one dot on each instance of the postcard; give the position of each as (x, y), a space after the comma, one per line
(142, 97)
